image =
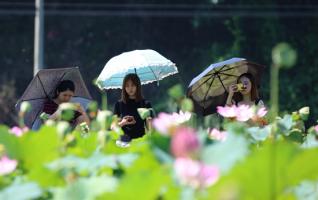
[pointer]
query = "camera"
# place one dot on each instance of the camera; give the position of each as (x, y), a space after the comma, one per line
(240, 87)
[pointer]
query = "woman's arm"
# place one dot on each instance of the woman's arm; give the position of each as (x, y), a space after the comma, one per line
(232, 90)
(83, 117)
(229, 100)
(54, 116)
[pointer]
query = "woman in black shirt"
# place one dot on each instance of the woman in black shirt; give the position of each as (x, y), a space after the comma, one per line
(126, 109)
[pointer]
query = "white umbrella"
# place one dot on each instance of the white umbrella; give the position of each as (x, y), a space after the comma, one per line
(148, 64)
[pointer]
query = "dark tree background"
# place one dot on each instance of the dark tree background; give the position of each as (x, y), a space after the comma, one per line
(192, 33)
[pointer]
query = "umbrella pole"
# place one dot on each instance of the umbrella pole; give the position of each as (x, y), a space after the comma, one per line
(104, 100)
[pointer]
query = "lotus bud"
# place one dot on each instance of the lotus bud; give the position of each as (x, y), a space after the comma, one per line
(284, 55)
(63, 128)
(104, 118)
(187, 105)
(304, 113)
(92, 107)
(67, 111)
(295, 116)
(25, 107)
(50, 122)
(44, 116)
(84, 129)
(144, 113)
(176, 92)
(70, 140)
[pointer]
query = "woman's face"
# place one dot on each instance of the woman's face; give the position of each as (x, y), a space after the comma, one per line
(247, 84)
(130, 88)
(65, 96)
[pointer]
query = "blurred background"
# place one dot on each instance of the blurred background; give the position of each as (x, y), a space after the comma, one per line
(191, 33)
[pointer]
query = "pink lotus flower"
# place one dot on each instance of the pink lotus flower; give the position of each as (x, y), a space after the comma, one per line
(7, 165)
(261, 112)
(166, 123)
(18, 131)
(316, 128)
(216, 134)
(195, 174)
(227, 111)
(242, 113)
(184, 143)
(258, 116)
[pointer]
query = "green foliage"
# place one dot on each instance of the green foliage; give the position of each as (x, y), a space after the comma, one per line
(268, 172)
(91, 164)
(306, 190)
(86, 188)
(252, 163)
(19, 191)
(226, 154)
(10, 142)
(161, 142)
(260, 134)
(144, 113)
(176, 92)
(152, 184)
(285, 124)
(187, 105)
(39, 148)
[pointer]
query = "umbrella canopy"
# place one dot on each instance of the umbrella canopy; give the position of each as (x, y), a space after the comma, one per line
(210, 88)
(148, 64)
(42, 87)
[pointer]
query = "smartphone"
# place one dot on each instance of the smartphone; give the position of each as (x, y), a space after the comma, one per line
(130, 119)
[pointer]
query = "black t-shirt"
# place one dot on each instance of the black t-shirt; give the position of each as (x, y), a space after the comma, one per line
(130, 108)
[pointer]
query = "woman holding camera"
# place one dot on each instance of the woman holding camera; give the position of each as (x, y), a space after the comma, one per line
(126, 109)
(244, 92)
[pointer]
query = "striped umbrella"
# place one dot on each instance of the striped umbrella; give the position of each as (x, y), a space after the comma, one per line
(210, 88)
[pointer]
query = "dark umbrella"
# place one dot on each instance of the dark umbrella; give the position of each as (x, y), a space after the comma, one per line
(43, 85)
(210, 88)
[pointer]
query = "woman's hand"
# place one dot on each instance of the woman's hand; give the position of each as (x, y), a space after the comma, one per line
(80, 109)
(233, 88)
(127, 120)
(83, 117)
(55, 115)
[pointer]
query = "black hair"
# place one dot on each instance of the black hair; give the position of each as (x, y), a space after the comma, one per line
(64, 86)
(136, 81)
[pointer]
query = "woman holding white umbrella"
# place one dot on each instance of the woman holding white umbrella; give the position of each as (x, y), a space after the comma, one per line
(128, 71)
(127, 110)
